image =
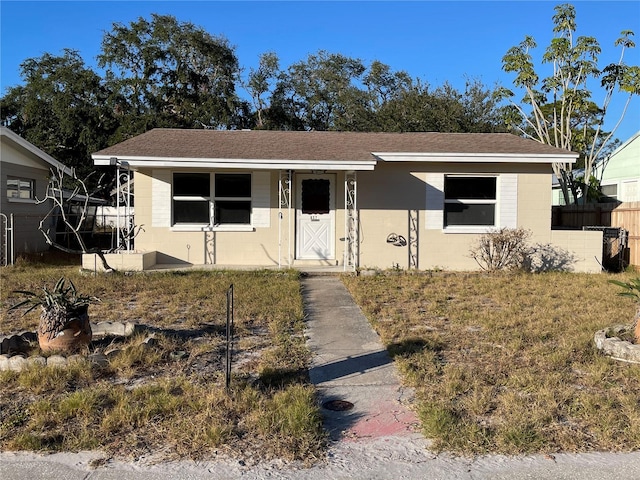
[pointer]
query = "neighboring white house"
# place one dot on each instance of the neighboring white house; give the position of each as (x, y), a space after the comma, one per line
(24, 178)
(620, 179)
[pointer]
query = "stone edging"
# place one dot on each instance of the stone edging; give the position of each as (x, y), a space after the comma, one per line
(607, 341)
(14, 347)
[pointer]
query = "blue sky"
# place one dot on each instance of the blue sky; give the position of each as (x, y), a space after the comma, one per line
(436, 41)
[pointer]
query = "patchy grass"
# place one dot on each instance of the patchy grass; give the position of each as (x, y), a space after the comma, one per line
(506, 363)
(169, 399)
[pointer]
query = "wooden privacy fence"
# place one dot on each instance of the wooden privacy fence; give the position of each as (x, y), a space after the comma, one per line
(624, 215)
(627, 216)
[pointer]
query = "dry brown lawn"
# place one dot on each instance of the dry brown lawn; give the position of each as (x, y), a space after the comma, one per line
(506, 363)
(500, 363)
(151, 401)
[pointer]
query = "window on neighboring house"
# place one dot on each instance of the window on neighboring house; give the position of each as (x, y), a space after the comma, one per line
(610, 192)
(22, 188)
(194, 204)
(232, 203)
(191, 198)
(469, 201)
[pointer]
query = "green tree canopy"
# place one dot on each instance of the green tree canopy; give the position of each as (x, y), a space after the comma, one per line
(315, 94)
(61, 108)
(334, 92)
(559, 109)
(167, 73)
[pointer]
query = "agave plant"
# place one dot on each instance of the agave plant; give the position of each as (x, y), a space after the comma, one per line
(61, 297)
(632, 289)
(63, 309)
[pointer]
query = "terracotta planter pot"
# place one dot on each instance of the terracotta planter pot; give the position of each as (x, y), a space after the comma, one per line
(74, 333)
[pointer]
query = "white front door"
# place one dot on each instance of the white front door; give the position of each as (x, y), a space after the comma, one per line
(315, 217)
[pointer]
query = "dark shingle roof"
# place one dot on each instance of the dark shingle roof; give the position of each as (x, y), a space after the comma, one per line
(348, 146)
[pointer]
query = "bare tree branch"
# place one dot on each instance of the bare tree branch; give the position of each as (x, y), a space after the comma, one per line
(56, 195)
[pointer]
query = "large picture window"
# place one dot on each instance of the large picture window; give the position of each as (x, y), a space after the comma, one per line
(194, 203)
(191, 198)
(469, 201)
(21, 188)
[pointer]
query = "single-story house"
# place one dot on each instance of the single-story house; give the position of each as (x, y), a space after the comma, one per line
(24, 178)
(356, 200)
(620, 174)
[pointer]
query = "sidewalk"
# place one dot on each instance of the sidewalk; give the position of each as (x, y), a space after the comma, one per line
(376, 439)
(351, 365)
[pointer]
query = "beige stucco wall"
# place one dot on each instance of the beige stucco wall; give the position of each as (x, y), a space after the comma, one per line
(125, 261)
(257, 247)
(386, 198)
(383, 210)
(390, 199)
(582, 250)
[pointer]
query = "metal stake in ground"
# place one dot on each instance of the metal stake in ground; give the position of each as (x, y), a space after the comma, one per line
(229, 336)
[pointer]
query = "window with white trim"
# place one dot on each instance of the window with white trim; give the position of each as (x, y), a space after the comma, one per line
(232, 202)
(194, 204)
(191, 198)
(470, 201)
(610, 192)
(21, 188)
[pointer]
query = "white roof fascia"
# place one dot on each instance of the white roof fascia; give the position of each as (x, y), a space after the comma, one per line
(625, 144)
(6, 132)
(476, 157)
(240, 163)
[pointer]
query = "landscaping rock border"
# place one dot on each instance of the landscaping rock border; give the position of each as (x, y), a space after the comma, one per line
(609, 343)
(14, 348)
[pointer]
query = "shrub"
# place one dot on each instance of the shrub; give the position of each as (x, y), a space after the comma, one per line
(504, 249)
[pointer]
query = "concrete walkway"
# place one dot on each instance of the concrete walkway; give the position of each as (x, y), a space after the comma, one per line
(351, 365)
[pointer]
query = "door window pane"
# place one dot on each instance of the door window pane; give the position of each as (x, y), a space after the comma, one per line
(315, 196)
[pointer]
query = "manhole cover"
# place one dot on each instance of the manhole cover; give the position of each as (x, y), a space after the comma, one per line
(337, 405)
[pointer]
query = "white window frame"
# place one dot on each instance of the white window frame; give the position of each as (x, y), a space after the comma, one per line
(186, 198)
(211, 224)
(216, 198)
(472, 228)
(31, 189)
